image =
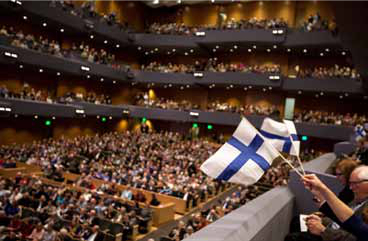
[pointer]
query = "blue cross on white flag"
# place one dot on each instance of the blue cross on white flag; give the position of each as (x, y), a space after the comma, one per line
(359, 132)
(282, 136)
(243, 159)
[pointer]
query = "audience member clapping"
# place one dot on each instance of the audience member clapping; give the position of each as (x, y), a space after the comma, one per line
(327, 72)
(324, 117)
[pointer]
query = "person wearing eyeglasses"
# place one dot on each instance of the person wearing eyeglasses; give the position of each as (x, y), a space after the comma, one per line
(350, 217)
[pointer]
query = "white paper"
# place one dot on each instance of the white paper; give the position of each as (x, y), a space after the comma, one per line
(303, 223)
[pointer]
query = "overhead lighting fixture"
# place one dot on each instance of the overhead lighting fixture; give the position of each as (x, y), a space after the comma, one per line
(126, 111)
(231, 50)
(11, 55)
(88, 76)
(235, 46)
(327, 50)
(217, 46)
(36, 116)
(343, 53)
(200, 34)
(254, 46)
(212, 1)
(16, 2)
(102, 79)
(305, 50)
(173, 50)
(6, 109)
(178, 1)
(268, 50)
(25, 17)
(91, 36)
(58, 73)
(194, 114)
(245, 88)
(155, 1)
(114, 82)
(118, 45)
(214, 50)
(321, 93)
(21, 66)
(85, 68)
(62, 30)
(198, 74)
(44, 24)
(346, 94)
(40, 70)
(139, 48)
(249, 50)
(192, 50)
(105, 42)
(274, 77)
(79, 111)
(321, 54)
(270, 87)
(186, 53)
(156, 49)
(146, 53)
(275, 46)
(288, 50)
(300, 92)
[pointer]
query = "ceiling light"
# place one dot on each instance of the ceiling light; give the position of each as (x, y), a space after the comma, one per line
(40, 70)
(36, 116)
(62, 30)
(105, 42)
(217, 46)
(156, 49)
(173, 50)
(299, 92)
(321, 93)
(88, 76)
(268, 50)
(186, 53)
(139, 48)
(327, 50)
(231, 50)
(102, 79)
(192, 50)
(91, 36)
(275, 46)
(235, 46)
(146, 53)
(321, 54)
(25, 17)
(168, 52)
(21, 66)
(245, 88)
(270, 87)
(346, 94)
(214, 50)
(305, 50)
(249, 50)
(254, 46)
(343, 53)
(114, 82)
(44, 24)
(118, 45)
(58, 74)
(289, 50)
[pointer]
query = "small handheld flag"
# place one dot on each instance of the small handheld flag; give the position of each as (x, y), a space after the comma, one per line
(243, 159)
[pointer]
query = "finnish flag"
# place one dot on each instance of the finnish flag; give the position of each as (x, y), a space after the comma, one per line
(243, 159)
(282, 135)
(359, 132)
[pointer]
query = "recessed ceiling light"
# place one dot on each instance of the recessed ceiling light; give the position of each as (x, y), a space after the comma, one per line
(249, 50)
(102, 79)
(25, 17)
(289, 50)
(217, 46)
(275, 46)
(254, 46)
(62, 30)
(321, 54)
(299, 92)
(118, 45)
(139, 48)
(343, 53)
(114, 82)
(327, 50)
(58, 74)
(305, 50)
(192, 50)
(40, 70)
(91, 36)
(268, 50)
(105, 42)
(44, 24)
(235, 46)
(88, 76)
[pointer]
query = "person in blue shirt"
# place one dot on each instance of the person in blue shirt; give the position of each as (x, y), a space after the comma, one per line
(349, 219)
(11, 208)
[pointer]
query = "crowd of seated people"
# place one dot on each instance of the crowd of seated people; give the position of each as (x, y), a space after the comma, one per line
(165, 162)
(324, 72)
(90, 97)
(211, 65)
(44, 45)
(324, 117)
(315, 22)
(26, 93)
(142, 99)
(88, 11)
(182, 29)
(32, 209)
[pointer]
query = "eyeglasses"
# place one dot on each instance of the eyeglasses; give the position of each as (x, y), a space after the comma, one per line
(357, 182)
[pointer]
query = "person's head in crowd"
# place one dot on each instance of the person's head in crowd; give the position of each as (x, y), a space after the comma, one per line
(344, 169)
(358, 183)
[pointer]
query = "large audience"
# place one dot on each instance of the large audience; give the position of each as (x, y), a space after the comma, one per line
(182, 29)
(88, 11)
(324, 117)
(327, 72)
(29, 93)
(163, 162)
(82, 52)
(211, 65)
